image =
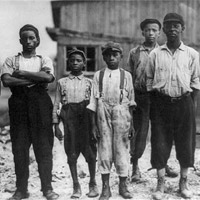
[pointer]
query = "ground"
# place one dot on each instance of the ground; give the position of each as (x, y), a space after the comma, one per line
(62, 182)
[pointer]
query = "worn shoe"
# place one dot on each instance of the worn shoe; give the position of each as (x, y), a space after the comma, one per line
(93, 190)
(51, 195)
(19, 195)
(76, 191)
(170, 172)
(158, 194)
(106, 193)
(136, 175)
(123, 190)
(183, 187)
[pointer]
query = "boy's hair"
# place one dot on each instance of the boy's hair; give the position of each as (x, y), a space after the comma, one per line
(76, 51)
(30, 27)
(149, 21)
(111, 46)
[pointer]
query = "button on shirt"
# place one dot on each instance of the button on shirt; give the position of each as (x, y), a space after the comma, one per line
(71, 89)
(111, 89)
(137, 63)
(173, 74)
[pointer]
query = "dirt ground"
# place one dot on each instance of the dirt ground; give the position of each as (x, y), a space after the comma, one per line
(62, 182)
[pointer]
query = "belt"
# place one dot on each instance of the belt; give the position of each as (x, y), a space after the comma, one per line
(172, 99)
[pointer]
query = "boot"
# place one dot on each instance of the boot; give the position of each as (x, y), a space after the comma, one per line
(18, 195)
(170, 172)
(123, 189)
(50, 195)
(93, 190)
(158, 194)
(136, 175)
(183, 187)
(76, 191)
(105, 194)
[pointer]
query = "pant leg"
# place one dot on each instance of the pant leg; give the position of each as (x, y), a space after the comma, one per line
(105, 143)
(121, 121)
(19, 131)
(141, 126)
(40, 116)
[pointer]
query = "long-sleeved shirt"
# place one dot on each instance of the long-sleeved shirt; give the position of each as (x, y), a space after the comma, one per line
(71, 89)
(111, 89)
(137, 63)
(173, 74)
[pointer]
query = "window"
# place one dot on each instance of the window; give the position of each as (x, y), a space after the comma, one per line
(90, 52)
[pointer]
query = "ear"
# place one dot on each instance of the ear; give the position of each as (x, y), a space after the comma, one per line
(122, 55)
(20, 40)
(183, 28)
(143, 33)
(164, 29)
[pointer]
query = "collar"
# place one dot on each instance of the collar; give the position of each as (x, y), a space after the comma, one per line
(111, 70)
(144, 48)
(181, 47)
(35, 55)
(80, 77)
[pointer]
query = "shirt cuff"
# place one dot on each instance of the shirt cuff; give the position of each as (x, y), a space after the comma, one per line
(132, 103)
(92, 107)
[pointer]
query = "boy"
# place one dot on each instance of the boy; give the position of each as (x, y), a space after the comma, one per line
(112, 97)
(138, 62)
(73, 93)
(30, 110)
(172, 75)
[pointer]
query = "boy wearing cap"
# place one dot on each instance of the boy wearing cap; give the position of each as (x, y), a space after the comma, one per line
(73, 93)
(171, 78)
(30, 110)
(112, 97)
(138, 62)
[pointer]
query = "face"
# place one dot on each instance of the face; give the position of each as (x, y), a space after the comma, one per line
(151, 32)
(76, 63)
(29, 40)
(112, 59)
(173, 30)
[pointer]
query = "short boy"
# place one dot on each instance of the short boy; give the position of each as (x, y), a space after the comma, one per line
(138, 62)
(30, 108)
(73, 93)
(112, 97)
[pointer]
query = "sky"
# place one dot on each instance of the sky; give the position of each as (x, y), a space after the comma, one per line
(16, 13)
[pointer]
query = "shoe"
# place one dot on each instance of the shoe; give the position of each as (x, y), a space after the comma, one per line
(158, 194)
(106, 193)
(93, 190)
(19, 195)
(170, 172)
(136, 175)
(76, 191)
(51, 195)
(123, 190)
(183, 187)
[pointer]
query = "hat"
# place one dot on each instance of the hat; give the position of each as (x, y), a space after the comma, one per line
(76, 51)
(149, 21)
(111, 46)
(28, 27)
(170, 17)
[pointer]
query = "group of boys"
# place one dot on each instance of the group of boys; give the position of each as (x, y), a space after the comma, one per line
(97, 115)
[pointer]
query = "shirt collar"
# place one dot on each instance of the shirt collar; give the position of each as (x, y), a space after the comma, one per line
(111, 70)
(144, 48)
(181, 47)
(71, 76)
(21, 54)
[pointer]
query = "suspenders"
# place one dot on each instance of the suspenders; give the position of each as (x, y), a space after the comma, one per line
(121, 86)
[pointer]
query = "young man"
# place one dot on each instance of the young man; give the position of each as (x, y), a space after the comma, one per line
(138, 62)
(73, 93)
(112, 97)
(30, 110)
(172, 76)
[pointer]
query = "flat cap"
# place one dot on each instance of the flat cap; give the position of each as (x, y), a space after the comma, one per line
(173, 17)
(28, 27)
(76, 51)
(112, 46)
(149, 21)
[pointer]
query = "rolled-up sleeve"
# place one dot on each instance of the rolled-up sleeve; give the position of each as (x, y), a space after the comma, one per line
(7, 67)
(47, 66)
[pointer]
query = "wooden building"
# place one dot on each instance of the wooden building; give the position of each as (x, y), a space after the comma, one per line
(87, 24)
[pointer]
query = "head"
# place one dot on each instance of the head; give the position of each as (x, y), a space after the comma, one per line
(150, 30)
(112, 54)
(29, 37)
(76, 61)
(173, 26)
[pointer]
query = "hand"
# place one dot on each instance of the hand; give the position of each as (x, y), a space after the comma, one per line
(58, 133)
(95, 133)
(18, 73)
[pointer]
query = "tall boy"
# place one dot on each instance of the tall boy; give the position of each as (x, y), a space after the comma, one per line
(138, 62)
(30, 108)
(73, 93)
(112, 97)
(172, 77)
